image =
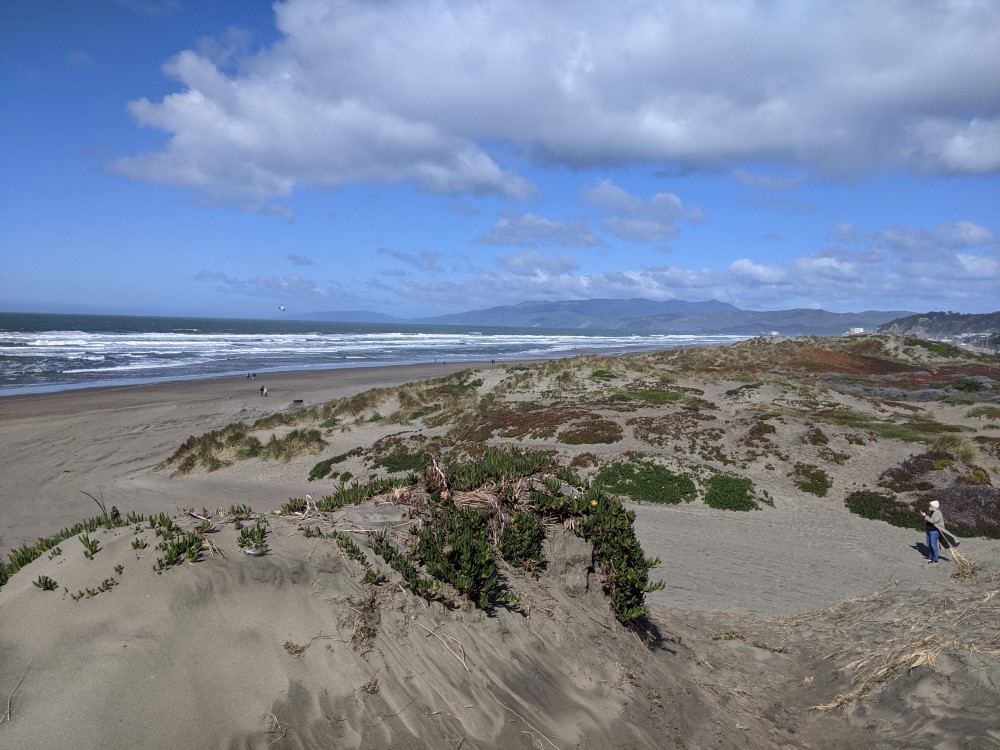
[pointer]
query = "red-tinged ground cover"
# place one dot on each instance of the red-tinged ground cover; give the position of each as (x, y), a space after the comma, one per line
(848, 363)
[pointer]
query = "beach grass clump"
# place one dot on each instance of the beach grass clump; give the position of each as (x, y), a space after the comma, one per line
(984, 411)
(295, 443)
(249, 447)
(811, 478)
(958, 446)
(204, 450)
(643, 480)
(727, 492)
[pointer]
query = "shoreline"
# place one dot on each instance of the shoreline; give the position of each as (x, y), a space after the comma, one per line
(56, 388)
(338, 381)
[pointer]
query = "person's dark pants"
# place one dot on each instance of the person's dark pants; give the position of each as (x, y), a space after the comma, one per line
(933, 537)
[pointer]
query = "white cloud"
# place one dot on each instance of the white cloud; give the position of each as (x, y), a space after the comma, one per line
(755, 273)
(425, 260)
(953, 145)
(918, 270)
(357, 91)
(282, 288)
(767, 182)
(533, 262)
(532, 230)
(631, 218)
(301, 260)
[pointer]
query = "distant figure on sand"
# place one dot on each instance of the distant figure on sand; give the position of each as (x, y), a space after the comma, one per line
(934, 526)
(262, 390)
(265, 392)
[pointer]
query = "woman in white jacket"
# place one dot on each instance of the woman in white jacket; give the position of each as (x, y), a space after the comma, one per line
(934, 525)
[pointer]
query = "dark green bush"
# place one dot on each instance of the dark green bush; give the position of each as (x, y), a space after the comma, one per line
(402, 461)
(645, 481)
(521, 541)
(727, 492)
(625, 567)
(879, 507)
(323, 468)
(455, 547)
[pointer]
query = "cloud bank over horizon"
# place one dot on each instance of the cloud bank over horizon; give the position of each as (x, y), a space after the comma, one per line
(454, 96)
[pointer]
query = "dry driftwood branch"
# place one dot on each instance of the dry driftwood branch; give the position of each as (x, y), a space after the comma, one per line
(11, 696)
(460, 658)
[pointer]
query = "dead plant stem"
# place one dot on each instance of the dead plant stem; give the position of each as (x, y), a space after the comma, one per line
(10, 697)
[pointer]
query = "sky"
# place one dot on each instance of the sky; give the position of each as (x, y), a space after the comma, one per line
(423, 157)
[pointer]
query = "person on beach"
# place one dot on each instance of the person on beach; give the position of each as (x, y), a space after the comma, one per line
(262, 389)
(265, 393)
(934, 525)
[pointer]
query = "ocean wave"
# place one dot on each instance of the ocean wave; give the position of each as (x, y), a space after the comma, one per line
(70, 358)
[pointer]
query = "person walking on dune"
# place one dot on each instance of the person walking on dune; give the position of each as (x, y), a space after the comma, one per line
(934, 521)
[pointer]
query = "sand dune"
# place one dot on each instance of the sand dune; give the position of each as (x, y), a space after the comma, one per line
(293, 650)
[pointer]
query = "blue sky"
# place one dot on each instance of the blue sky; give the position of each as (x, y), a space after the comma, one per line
(223, 157)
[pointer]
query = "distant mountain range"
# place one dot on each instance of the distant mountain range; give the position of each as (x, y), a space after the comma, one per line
(641, 316)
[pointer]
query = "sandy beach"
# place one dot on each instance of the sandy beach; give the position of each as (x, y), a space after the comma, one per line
(108, 441)
(248, 652)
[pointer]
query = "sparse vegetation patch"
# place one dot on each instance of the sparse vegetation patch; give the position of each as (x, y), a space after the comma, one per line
(811, 478)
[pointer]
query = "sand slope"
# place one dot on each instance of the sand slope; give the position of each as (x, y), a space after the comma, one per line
(741, 648)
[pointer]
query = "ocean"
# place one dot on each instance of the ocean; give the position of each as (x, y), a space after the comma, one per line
(42, 352)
